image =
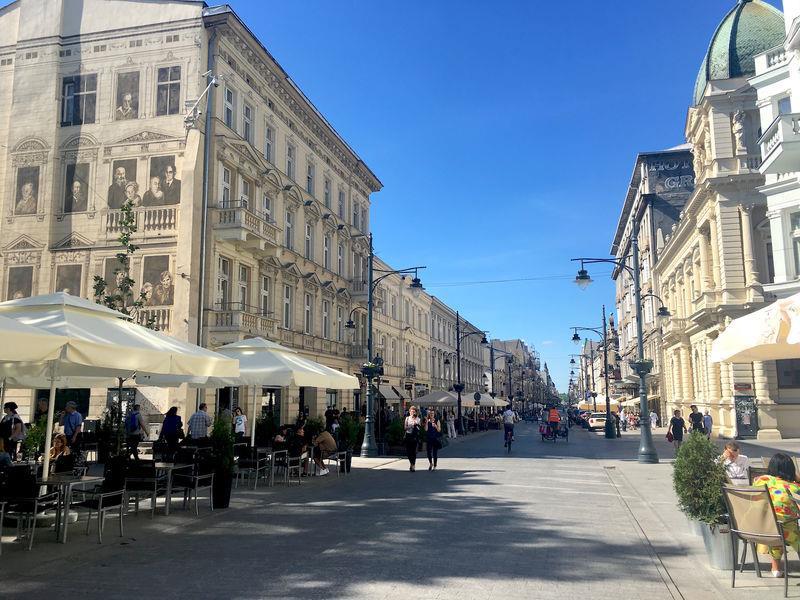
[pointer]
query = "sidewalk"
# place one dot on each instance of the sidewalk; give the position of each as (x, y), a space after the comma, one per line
(381, 461)
(646, 495)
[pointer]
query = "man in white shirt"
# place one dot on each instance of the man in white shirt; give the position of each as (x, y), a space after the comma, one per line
(508, 425)
(736, 464)
(653, 419)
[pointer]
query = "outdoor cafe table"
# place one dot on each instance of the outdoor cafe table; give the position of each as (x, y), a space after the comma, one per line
(169, 468)
(65, 482)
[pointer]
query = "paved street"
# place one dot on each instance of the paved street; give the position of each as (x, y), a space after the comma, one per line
(550, 521)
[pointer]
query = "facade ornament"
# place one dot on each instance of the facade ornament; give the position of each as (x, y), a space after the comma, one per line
(738, 128)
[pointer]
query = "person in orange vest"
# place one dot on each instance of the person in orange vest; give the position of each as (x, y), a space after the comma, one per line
(553, 419)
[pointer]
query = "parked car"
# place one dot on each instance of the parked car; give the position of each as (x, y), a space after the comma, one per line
(597, 421)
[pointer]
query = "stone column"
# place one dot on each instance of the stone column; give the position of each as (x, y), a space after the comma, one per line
(714, 243)
(707, 279)
(687, 368)
(766, 392)
(750, 270)
(782, 254)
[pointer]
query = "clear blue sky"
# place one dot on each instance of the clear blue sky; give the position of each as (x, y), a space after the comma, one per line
(504, 133)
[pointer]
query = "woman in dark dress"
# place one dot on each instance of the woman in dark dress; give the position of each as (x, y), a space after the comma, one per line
(433, 429)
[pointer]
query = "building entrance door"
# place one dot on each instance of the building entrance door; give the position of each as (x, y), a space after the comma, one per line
(746, 416)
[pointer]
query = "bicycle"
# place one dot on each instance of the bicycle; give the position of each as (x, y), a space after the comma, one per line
(509, 439)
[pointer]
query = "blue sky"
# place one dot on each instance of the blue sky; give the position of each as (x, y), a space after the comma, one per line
(504, 133)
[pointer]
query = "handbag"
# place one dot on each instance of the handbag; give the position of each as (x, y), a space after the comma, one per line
(670, 437)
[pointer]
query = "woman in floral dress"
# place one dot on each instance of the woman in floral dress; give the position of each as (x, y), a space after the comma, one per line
(781, 481)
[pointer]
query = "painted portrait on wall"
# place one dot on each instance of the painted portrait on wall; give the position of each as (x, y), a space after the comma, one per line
(157, 281)
(68, 279)
(169, 186)
(127, 96)
(27, 197)
(123, 172)
(76, 188)
(113, 276)
(20, 283)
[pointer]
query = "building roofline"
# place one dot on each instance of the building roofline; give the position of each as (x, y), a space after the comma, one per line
(225, 10)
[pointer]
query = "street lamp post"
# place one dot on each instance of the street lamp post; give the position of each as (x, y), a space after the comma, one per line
(369, 448)
(641, 366)
(459, 386)
(610, 430)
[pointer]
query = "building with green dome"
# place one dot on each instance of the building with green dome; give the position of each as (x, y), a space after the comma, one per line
(717, 259)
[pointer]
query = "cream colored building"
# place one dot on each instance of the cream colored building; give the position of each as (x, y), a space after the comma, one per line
(659, 187)
(716, 260)
(93, 96)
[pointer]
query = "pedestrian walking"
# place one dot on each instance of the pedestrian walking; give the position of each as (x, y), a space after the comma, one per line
(12, 428)
(708, 423)
(136, 430)
(199, 423)
(653, 419)
(433, 431)
(616, 423)
(696, 419)
(451, 424)
(72, 422)
(677, 426)
(239, 424)
(411, 427)
(171, 431)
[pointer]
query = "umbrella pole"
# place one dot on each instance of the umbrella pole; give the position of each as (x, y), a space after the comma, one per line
(253, 423)
(48, 436)
(121, 418)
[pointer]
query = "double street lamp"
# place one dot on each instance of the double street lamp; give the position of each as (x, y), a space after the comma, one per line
(372, 369)
(459, 386)
(610, 429)
(647, 451)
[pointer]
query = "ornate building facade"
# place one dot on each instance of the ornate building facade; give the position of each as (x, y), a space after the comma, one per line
(714, 263)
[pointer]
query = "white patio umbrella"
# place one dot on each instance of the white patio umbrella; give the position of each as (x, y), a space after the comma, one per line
(23, 343)
(265, 363)
(438, 398)
(100, 344)
(770, 333)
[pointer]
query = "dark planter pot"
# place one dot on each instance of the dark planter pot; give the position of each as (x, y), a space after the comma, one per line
(717, 540)
(221, 492)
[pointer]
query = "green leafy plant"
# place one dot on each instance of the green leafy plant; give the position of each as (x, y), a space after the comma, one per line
(222, 440)
(266, 428)
(351, 432)
(314, 426)
(395, 432)
(34, 441)
(698, 477)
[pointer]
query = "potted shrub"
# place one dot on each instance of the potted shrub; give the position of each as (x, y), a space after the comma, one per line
(222, 439)
(314, 426)
(351, 432)
(698, 477)
(33, 445)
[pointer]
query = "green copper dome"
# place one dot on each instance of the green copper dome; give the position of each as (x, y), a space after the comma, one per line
(750, 28)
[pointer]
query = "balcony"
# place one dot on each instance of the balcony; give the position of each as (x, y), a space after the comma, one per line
(159, 319)
(674, 328)
(359, 289)
(780, 145)
(411, 371)
(236, 222)
(237, 318)
(313, 344)
(151, 222)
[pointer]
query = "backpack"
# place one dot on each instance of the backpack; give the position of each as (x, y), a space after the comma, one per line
(132, 423)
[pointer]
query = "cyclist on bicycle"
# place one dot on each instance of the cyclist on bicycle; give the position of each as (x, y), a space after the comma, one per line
(509, 416)
(553, 420)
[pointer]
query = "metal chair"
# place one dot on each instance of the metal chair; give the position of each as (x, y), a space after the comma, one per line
(338, 460)
(142, 479)
(107, 497)
(279, 462)
(753, 521)
(24, 500)
(201, 478)
(754, 473)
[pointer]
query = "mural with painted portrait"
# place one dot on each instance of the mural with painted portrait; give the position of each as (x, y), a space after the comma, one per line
(113, 276)
(20, 283)
(123, 172)
(127, 96)
(76, 188)
(169, 186)
(27, 197)
(157, 281)
(68, 279)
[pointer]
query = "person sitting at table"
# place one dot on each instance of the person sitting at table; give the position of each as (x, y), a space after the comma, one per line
(736, 464)
(62, 460)
(781, 481)
(324, 445)
(281, 438)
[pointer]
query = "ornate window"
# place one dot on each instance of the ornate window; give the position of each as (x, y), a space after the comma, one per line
(78, 99)
(168, 91)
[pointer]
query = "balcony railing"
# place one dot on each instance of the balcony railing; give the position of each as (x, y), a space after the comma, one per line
(150, 221)
(312, 343)
(241, 318)
(159, 318)
(780, 145)
(245, 223)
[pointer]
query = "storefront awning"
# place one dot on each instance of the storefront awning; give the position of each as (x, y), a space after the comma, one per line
(389, 393)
